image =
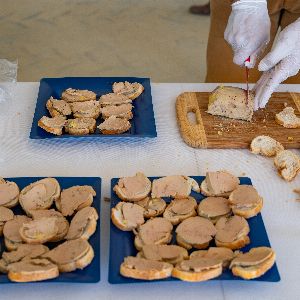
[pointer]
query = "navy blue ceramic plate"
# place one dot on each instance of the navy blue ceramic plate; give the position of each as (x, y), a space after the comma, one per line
(142, 124)
(121, 243)
(91, 273)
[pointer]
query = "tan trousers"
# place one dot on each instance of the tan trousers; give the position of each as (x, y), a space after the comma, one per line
(220, 67)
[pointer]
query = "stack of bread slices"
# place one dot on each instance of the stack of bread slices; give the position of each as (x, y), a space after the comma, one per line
(208, 234)
(44, 241)
(77, 110)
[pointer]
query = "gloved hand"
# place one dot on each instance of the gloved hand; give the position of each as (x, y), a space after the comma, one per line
(282, 62)
(248, 30)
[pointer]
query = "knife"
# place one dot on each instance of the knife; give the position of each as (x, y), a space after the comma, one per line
(247, 77)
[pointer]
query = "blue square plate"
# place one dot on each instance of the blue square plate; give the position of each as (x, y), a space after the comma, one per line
(142, 124)
(91, 273)
(122, 243)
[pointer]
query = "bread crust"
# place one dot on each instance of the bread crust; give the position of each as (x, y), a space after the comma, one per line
(34, 275)
(56, 131)
(287, 171)
(197, 276)
(73, 130)
(181, 242)
(249, 213)
(237, 244)
(145, 275)
(254, 271)
(10, 246)
(135, 94)
(205, 191)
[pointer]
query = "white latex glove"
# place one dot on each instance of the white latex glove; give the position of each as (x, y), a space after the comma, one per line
(278, 65)
(248, 30)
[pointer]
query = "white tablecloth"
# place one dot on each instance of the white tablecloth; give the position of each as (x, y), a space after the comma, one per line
(165, 155)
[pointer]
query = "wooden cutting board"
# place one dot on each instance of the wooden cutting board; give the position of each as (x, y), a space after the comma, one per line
(208, 131)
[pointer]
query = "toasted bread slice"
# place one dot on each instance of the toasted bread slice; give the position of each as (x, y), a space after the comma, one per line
(6, 214)
(120, 111)
(157, 231)
(198, 269)
(133, 188)
(12, 238)
(32, 270)
(80, 126)
(245, 201)
(23, 252)
(231, 102)
(74, 199)
(176, 186)
(74, 95)
(83, 224)
(39, 194)
(232, 232)
(127, 216)
(61, 222)
(130, 90)
(86, 109)
(114, 125)
(53, 125)
(253, 264)
(214, 208)
(226, 255)
(171, 254)
(113, 99)
(288, 164)
(71, 255)
(265, 146)
(287, 118)
(39, 231)
(58, 107)
(219, 184)
(195, 232)
(153, 207)
(9, 191)
(140, 268)
(180, 209)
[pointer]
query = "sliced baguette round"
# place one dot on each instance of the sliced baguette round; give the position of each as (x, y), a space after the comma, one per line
(130, 90)
(288, 164)
(83, 224)
(133, 188)
(53, 125)
(140, 268)
(195, 232)
(75, 95)
(245, 201)
(287, 118)
(198, 269)
(71, 255)
(58, 107)
(113, 99)
(114, 125)
(219, 184)
(86, 109)
(39, 194)
(10, 192)
(253, 264)
(120, 111)
(75, 198)
(153, 207)
(265, 145)
(39, 231)
(32, 270)
(180, 209)
(80, 126)
(127, 216)
(61, 222)
(232, 232)
(157, 231)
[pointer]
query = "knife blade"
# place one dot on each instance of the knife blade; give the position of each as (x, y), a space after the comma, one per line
(247, 78)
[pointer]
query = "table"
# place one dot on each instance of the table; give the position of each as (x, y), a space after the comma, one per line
(165, 155)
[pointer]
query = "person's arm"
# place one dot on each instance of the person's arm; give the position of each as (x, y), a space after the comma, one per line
(279, 64)
(248, 30)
